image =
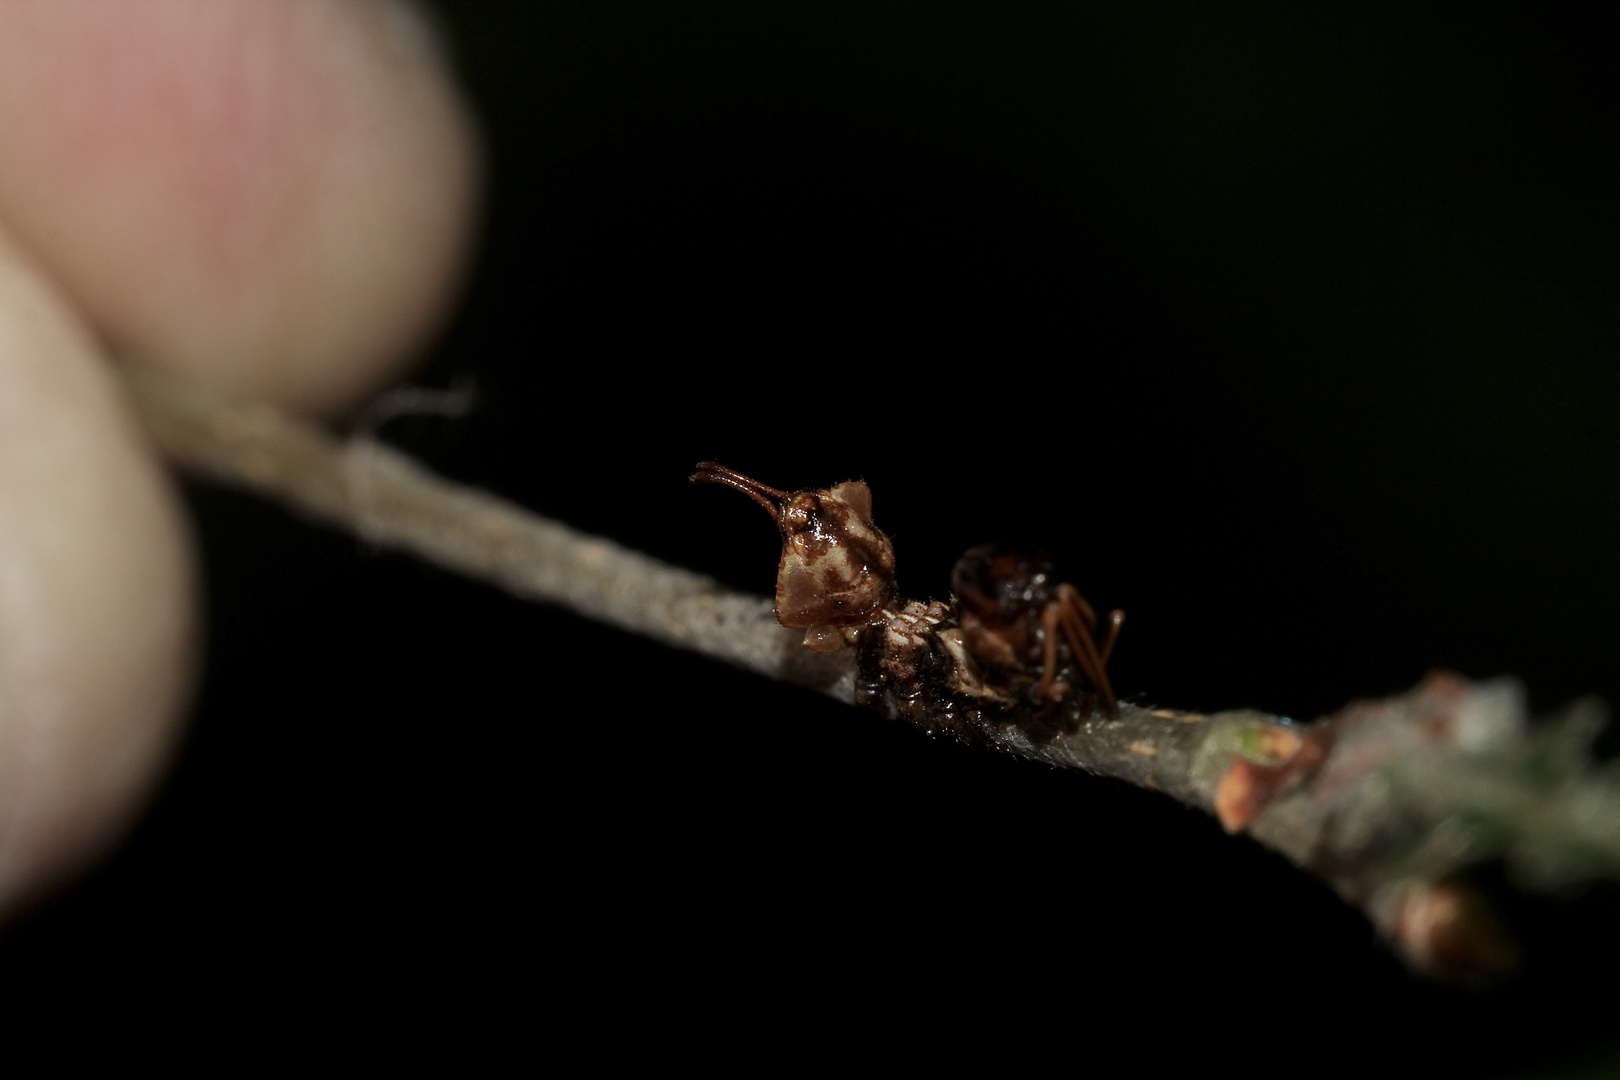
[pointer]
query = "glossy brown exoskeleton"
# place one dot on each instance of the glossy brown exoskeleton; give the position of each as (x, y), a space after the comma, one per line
(1011, 647)
(837, 570)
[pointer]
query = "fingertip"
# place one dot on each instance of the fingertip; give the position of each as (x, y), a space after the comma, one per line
(275, 197)
(97, 597)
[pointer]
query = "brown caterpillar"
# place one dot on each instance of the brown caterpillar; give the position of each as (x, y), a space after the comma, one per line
(1013, 646)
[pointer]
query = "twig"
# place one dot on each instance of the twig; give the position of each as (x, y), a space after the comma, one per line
(1388, 801)
(391, 501)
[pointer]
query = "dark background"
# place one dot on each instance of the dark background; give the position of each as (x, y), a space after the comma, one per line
(1293, 333)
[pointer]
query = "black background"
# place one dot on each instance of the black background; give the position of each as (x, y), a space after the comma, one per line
(1293, 333)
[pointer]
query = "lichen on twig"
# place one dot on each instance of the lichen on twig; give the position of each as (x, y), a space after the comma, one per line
(1388, 801)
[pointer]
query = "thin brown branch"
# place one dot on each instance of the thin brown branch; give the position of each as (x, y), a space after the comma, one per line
(1388, 801)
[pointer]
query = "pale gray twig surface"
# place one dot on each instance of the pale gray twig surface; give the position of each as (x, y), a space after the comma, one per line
(391, 501)
(1388, 801)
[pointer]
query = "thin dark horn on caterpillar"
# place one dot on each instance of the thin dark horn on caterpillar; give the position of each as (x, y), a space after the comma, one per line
(1086, 654)
(712, 472)
(1049, 630)
(1116, 619)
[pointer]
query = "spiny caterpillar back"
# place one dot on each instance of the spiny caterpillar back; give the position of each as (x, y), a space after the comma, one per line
(1012, 647)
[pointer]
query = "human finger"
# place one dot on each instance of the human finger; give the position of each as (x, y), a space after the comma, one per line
(97, 623)
(273, 196)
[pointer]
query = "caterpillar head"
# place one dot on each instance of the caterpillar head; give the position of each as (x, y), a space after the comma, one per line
(837, 568)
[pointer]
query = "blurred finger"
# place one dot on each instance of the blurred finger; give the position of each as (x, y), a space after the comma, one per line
(97, 609)
(275, 196)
